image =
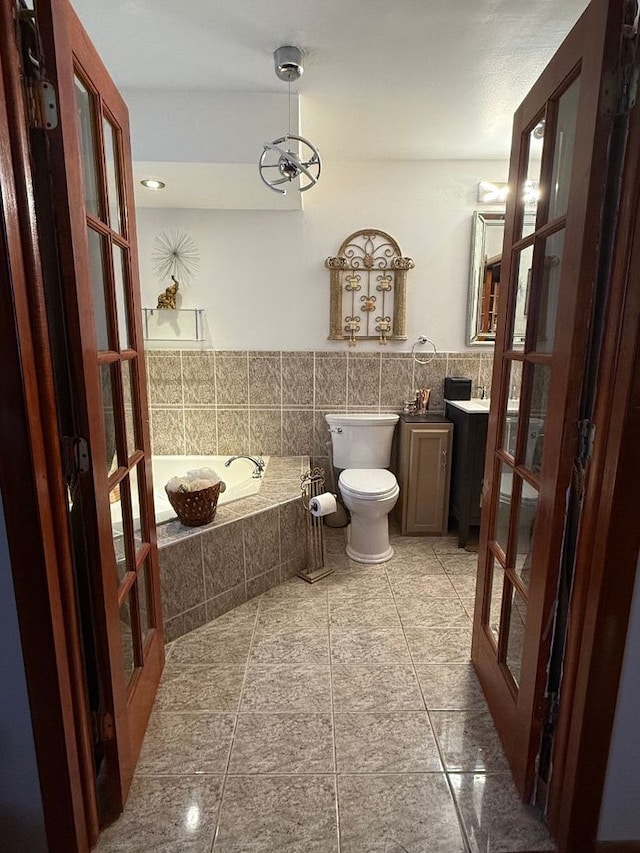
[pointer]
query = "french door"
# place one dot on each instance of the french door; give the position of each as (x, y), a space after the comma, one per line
(558, 171)
(92, 200)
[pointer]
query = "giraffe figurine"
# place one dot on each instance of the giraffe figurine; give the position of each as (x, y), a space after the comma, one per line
(168, 298)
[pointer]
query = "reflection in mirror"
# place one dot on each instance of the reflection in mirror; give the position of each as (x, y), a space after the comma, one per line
(487, 235)
(484, 279)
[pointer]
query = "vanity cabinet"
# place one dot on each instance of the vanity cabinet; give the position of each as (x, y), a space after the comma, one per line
(424, 467)
(467, 470)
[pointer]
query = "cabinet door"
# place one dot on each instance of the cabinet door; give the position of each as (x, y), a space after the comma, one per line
(427, 473)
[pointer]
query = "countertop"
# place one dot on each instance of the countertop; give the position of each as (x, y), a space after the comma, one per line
(471, 406)
(476, 406)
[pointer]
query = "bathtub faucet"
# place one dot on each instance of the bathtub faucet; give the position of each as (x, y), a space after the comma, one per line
(257, 461)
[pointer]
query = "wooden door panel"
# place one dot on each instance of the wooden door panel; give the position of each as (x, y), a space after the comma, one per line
(560, 139)
(93, 189)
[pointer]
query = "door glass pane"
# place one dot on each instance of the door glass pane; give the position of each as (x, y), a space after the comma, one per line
(524, 541)
(503, 511)
(549, 292)
(146, 618)
(121, 298)
(529, 190)
(537, 417)
(126, 635)
(128, 386)
(86, 129)
(117, 530)
(108, 414)
(495, 602)
(511, 416)
(113, 176)
(523, 267)
(515, 640)
(563, 150)
(96, 261)
(137, 485)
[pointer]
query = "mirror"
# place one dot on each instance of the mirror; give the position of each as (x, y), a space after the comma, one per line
(487, 233)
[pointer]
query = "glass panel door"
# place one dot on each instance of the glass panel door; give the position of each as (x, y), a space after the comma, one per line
(92, 186)
(547, 270)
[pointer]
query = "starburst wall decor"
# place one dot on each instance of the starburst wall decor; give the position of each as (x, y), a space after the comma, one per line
(176, 256)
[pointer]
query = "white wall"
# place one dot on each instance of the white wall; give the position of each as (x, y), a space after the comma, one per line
(620, 812)
(21, 817)
(262, 280)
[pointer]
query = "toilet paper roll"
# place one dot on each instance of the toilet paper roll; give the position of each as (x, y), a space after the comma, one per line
(323, 504)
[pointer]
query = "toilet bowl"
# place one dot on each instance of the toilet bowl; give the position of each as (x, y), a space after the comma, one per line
(369, 494)
(361, 443)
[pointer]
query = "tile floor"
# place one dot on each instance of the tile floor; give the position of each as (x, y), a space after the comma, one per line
(342, 717)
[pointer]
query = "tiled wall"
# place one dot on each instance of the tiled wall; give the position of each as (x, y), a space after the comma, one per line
(225, 402)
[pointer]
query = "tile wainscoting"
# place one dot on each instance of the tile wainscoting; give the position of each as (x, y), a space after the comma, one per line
(226, 402)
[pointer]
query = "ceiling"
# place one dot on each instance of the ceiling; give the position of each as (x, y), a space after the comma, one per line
(384, 79)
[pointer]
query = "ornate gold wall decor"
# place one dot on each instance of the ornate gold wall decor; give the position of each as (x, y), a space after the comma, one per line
(368, 289)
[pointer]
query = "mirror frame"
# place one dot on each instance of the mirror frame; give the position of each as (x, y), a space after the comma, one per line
(481, 221)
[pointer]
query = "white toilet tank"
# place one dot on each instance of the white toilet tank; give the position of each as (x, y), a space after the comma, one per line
(361, 440)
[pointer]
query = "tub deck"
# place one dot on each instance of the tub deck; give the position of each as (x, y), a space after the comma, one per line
(252, 544)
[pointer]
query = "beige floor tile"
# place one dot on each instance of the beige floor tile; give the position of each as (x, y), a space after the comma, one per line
(287, 687)
(385, 742)
(409, 812)
(494, 816)
(376, 688)
(278, 814)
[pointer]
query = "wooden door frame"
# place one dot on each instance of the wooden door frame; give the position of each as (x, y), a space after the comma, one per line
(609, 537)
(32, 484)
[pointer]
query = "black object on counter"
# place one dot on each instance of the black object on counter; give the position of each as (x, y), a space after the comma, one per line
(457, 388)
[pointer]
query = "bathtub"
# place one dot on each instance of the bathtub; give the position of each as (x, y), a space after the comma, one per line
(238, 477)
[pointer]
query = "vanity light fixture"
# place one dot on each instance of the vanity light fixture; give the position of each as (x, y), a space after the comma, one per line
(496, 193)
(531, 192)
(492, 192)
(153, 184)
(289, 157)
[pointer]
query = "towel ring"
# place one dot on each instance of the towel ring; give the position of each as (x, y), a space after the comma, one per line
(423, 339)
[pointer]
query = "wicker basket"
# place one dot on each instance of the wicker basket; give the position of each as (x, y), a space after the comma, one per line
(195, 508)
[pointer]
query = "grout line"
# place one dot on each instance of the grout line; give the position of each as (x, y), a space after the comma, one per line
(235, 727)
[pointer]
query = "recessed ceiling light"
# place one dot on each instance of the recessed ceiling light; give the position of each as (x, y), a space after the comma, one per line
(153, 184)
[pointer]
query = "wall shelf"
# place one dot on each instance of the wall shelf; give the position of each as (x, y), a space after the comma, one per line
(173, 324)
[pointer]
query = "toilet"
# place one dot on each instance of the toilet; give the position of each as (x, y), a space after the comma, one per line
(361, 446)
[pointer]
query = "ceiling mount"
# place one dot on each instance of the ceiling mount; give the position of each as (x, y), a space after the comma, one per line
(291, 157)
(289, 63)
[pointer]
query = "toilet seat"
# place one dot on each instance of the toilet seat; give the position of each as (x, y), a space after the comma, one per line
(368, 484)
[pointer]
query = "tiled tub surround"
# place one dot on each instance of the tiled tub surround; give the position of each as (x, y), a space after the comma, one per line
(252, 545)
(225, 402)
(339, 716)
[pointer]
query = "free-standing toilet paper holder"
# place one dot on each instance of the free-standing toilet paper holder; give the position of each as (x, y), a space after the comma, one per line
(312, 485)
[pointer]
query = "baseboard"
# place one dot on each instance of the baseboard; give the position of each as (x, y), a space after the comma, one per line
(617, 847)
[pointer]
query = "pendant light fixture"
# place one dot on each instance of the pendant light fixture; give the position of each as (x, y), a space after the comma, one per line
(289, 158)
